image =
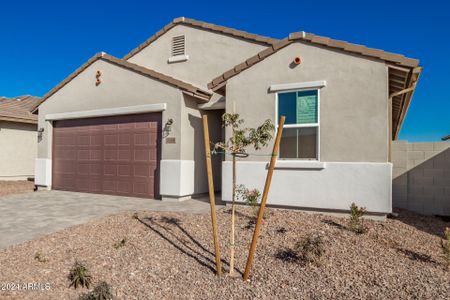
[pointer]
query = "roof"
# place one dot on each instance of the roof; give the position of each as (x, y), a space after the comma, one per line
(446, 138)
(388, 57)
(18, 109)
(206, 26)
(404, 72)
(185, 87)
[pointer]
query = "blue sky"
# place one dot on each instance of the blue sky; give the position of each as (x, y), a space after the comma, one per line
(41, 42)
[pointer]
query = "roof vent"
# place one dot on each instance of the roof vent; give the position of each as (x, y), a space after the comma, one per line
(178, 49)
(178, 45)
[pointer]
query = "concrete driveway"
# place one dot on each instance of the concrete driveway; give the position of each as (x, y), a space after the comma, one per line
(27, 216)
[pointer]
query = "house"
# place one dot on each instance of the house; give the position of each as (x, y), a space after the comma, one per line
(133, 127)
(18, 137)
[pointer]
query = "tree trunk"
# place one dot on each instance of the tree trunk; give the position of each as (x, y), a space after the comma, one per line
(233, 218)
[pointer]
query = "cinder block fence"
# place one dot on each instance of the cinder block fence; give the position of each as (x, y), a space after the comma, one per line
(421, 177)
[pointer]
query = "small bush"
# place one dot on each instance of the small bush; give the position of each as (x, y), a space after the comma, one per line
(252, 198)
(39, 256)
(445, 244)
(102, 291)
(356, 221)
(311, 248)
(79, 276)
(120, 243)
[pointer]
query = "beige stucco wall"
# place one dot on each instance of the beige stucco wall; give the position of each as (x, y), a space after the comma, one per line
(18, 144)
(192, 144)
(210, 54)
(119, 88)
(353, 105)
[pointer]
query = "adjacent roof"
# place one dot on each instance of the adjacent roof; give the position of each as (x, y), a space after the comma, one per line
(185, 87)
(206, 26)
(392, 58)
(19, 109)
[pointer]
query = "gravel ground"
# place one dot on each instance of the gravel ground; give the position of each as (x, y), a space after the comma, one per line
(170, 256)
(15, 187)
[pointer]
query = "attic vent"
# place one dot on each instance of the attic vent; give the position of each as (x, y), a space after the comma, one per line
(178, 45)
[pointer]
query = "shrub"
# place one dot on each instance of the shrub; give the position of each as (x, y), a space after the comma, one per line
(445, 244)
(356, 221)
(39, 256)
(79, 276)
(120, 243)
(311, 248)
(102, 291)
(252, 198)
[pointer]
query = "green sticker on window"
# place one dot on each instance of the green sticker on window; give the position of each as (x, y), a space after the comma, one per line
(307, 107)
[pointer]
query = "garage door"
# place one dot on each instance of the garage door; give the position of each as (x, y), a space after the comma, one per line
(110, 155)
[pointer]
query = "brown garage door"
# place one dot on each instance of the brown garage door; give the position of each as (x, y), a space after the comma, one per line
(110, 155)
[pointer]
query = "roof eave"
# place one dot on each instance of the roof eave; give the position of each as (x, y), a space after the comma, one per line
(407, 101)
(18, 120)
(199, 93)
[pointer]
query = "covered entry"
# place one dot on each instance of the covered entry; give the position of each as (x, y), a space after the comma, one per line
(118, 155)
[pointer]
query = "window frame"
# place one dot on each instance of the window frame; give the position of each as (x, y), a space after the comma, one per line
(308, 125)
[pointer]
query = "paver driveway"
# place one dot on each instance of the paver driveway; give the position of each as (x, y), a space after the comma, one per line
(27, 216)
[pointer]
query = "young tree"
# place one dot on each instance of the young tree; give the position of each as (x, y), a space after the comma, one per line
(241, 138)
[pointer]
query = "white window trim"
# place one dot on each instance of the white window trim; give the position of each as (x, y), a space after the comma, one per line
(301, 125)
(292, 87)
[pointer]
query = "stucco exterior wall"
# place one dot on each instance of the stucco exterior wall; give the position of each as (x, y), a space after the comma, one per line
(18, 149)
(329, 187)
(353, 104)
(119, 88)
(210, 54)
(421, 177)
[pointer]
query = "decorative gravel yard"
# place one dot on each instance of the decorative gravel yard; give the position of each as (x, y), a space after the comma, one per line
(170, 256)
(15, 187)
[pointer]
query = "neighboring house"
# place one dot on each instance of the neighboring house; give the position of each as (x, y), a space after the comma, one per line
(133, 127)
(18, 137)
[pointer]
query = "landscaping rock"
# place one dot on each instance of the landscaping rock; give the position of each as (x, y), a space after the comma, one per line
(171, 256)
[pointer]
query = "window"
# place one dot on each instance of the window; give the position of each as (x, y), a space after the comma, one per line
(300, 139)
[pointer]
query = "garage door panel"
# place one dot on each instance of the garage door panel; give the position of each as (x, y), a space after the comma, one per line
(96, 169)
(110, 140)
(96, 185)
(124, 171)
(95, 155)
(96, 140)
(65, 167)
(124, 154)
(110, 155)
(82, 184)
(110, 186)
(124, 139)
(84, 169)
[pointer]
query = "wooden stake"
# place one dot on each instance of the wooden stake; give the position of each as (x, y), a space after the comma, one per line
(212, 199)
(233, 218)
(273, 160)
